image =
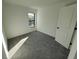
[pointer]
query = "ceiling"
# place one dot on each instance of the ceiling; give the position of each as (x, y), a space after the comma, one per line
(36, 3)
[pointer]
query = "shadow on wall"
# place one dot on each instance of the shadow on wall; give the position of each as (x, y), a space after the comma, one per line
(15, 20)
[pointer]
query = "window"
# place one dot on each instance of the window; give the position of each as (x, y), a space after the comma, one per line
(31, 17)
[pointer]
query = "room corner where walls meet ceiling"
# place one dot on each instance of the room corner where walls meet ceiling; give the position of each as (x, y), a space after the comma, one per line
(37, 3)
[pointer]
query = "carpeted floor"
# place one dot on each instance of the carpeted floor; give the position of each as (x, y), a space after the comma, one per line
(38, 46)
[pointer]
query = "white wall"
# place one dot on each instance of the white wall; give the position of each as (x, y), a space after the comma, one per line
(47, 19)
(75, 56)
(5, 38)
(15, 20)
(3, 53)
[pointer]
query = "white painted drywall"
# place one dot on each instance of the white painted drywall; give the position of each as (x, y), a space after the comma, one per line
(15, 20)
(4, 47)
(3, 53)
(75, 56)
(5, 37)
(47, 19)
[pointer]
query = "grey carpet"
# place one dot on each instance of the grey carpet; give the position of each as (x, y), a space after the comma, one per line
(13, 41)
(41, 46)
